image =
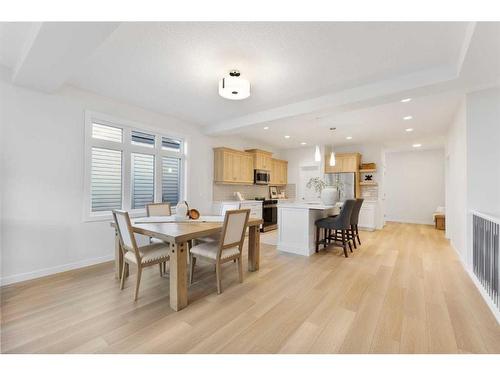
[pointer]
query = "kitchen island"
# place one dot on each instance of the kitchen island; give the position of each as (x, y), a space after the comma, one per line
(296, 229)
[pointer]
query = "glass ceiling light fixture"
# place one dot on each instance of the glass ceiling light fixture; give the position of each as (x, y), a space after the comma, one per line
(332, 154)
(234, 87)
(317, 154)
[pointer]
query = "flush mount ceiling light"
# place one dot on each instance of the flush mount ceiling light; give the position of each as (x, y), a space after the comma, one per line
(407, 117)
(234, 87)
(406, 100)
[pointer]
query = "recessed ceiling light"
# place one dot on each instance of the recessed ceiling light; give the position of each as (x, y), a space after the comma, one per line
(409, 129)
(407, 117)
(417, 145)
(287, 136)
(348, 137)
(406, 100)
(303, 143)
(266, 127)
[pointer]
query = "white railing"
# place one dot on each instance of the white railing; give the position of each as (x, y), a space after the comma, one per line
(486, 254)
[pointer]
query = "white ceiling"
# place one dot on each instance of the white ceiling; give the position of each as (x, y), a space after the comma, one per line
(350, 74)
(382, 124)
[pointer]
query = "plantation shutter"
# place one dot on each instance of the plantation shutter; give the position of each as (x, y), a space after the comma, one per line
(171, 180)
(106, 179)
(143, 177)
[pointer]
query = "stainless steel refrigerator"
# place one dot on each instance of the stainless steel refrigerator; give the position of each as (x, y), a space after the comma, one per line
(346, 180)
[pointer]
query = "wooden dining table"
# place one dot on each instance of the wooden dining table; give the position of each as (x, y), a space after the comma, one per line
(178, 234)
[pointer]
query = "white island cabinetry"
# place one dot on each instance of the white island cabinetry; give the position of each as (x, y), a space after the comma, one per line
(296, 228)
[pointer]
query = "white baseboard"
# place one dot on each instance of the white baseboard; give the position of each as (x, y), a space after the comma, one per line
(406, 221)
(53, 270)
(479, 286)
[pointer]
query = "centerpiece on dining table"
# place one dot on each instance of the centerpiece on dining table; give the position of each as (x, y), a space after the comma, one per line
(182, 211)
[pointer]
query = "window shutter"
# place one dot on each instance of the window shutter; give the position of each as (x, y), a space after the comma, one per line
(107, 133)
(143, 167)
(143, 139)
(171, 180)
(106, 179)
(170, 144)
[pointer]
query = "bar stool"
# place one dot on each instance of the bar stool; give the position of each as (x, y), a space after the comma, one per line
(340, 223)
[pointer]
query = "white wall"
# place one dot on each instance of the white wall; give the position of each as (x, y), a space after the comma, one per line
(42, 171)
(483, 150)
(456, 181)
(414, 185)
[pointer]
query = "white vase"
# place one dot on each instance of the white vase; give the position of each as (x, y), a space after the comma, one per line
(329, 196)
(181, 210)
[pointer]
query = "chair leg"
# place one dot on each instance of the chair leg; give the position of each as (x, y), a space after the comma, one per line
(218, 277)
(240, 269)
(122, 281)
(344, 244)
(325, 236)
(357, 234)
(161, 270)
(353, 236)
(349, 241)
(138, 282)
(192, 262)
(317, 238)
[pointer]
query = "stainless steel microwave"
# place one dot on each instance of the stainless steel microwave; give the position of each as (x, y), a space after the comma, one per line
(261, 177)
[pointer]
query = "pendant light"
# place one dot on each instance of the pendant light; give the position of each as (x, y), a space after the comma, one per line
(332, 158)
(317, 154)
(332, 154)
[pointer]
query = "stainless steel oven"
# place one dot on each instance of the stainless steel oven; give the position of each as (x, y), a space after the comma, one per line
(269, 214)
(261, 177)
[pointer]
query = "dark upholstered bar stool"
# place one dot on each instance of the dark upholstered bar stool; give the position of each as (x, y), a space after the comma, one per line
(353, 232)
(340, 223)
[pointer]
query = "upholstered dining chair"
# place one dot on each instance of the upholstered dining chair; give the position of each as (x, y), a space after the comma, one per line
(159, 209)
(142, 257)
(227, 249)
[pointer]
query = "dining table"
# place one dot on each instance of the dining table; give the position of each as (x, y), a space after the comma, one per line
(178, 234)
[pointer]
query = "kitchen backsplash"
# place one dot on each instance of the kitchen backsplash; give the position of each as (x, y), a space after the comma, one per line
(222, 192)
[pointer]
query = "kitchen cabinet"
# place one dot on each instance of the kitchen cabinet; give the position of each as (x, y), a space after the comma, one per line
(343, 163)
(232, 166)
(279, 172)
(368, 216)
(261, 159)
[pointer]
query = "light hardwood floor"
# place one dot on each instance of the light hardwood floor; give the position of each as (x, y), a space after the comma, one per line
(402, 291)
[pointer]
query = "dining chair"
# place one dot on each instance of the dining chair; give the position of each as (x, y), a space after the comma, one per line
(228, 249)
(159, 209)
(142, 257)
(339, 224)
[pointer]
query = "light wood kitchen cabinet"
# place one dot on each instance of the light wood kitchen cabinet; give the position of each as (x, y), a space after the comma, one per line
(343, 163)
(232, 166)
(261, 159)
(279, 172)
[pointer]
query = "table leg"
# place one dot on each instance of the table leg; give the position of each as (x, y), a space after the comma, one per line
(253, 248)
(178, 276)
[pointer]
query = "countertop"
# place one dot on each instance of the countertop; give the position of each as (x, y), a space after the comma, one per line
(236, 201)
(306, 205)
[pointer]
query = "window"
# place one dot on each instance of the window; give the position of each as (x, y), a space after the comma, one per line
(128, 167)
(143, 180)
(170, 178)
(106, 179)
